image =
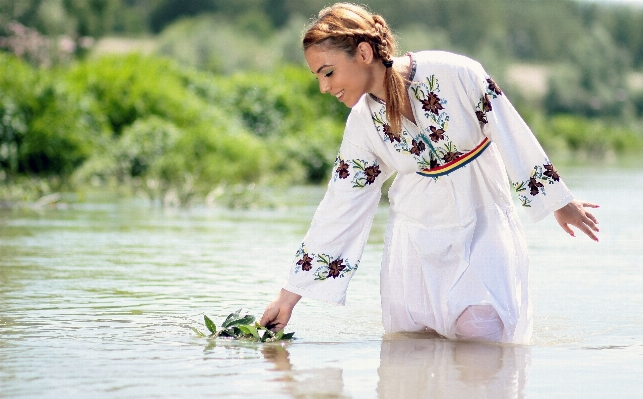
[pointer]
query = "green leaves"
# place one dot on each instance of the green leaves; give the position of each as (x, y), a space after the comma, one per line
(243, 327)
(210, 324)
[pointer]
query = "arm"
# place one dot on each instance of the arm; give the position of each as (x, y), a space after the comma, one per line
(330, 252)
(538, 184)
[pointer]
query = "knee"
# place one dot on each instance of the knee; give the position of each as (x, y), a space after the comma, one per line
(479, 323)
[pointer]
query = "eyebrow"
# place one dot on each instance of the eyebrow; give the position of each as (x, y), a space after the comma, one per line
(322, 67)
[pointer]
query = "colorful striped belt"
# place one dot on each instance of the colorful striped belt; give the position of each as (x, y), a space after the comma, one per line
(456, 163)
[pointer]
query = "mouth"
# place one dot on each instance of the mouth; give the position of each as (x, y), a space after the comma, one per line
(339, 95)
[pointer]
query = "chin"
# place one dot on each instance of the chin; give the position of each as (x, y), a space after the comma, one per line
(352, 104)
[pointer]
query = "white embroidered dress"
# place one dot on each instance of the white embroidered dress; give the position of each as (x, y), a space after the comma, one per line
(453, 240)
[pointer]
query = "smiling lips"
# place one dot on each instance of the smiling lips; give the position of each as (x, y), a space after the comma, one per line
(338, 95)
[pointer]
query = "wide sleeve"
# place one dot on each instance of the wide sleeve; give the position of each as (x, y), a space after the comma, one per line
(538, 184)
(331, 250)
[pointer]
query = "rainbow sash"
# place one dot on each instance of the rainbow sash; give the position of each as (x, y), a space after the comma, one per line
(457, 163)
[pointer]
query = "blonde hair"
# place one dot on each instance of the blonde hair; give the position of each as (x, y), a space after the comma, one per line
(343, 26)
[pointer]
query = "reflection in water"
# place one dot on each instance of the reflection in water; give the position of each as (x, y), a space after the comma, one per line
(411, 366)
(305, 383)
(417, 366)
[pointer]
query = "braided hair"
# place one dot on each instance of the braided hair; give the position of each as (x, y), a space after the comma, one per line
(343, 26)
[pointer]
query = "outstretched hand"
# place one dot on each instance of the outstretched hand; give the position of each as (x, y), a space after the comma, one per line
(576, 215)
(278, 312)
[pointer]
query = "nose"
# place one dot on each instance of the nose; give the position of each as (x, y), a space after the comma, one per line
(324, 87)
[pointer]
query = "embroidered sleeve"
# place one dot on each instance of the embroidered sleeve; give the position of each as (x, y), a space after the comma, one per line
(536, 181)
(331, 250)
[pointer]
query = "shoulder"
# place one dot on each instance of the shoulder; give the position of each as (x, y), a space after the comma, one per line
(359, 125)
(360, 115)
(444, 62)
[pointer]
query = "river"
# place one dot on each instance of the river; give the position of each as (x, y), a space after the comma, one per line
(97, 298)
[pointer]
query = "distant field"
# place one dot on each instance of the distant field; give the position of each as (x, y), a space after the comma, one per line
(124, 45)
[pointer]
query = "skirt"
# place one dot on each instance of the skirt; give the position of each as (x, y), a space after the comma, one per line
(454, 242)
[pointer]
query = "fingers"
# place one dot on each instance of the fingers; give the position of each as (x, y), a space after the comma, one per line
(585, 229)
(590, 205)
(591, 217)
(566, 227)
(587, 221)
(269, 315)
(586, 225)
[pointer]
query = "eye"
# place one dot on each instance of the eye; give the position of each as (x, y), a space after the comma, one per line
(328, 74)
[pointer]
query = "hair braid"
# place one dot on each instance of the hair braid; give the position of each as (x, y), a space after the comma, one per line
(343, 26)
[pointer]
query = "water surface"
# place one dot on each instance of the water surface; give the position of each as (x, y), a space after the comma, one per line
(97, 300)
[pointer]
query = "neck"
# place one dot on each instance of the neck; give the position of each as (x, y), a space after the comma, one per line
(401, 64)
(378, 86)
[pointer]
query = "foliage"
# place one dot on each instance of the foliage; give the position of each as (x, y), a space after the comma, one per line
(205, 42)
(590, 138)
(143, 124)
(166, 137)
(523, 29)
(233, 107)
(593, 82)
(45, 128)
(244, 327)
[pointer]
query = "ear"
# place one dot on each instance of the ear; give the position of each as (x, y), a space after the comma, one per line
(364, 53)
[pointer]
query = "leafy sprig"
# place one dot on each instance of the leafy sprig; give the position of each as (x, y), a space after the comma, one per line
(244, 327)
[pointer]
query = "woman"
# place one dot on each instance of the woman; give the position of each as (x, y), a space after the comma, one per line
(455, 258)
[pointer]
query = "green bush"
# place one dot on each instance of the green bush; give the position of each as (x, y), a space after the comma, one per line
(146, 125)
(590, 137)
(45, 128)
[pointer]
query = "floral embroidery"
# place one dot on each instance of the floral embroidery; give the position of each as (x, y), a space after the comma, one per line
(305, 262)
(534, 186)
(432, 103)
(482, 117)
(405, 144)
(371, 173)
(540, 175)
(397, 139)
(551, 172)
(435, 139)
(417, 148)
(392, 136)
(342, 170)
(493, 86)
(365, 174)
(333, 268)
(451, 156)
(484, 105)
(328, 267)
(436, 134)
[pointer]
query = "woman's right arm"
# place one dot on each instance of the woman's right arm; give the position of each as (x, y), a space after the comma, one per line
(330, 252)
(278, 312)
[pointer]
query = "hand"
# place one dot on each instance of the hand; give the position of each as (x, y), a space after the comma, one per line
(575, 214)
(278, 312)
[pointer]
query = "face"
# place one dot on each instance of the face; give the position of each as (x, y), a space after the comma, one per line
(345, 77)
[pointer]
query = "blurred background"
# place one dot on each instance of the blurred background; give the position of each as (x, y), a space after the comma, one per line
(184, 102)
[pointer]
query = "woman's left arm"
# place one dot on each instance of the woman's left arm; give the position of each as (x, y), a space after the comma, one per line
(537, 183)
(575, 214)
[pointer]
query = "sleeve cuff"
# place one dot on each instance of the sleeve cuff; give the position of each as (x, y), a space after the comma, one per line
(333, 298)
(549, 208)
